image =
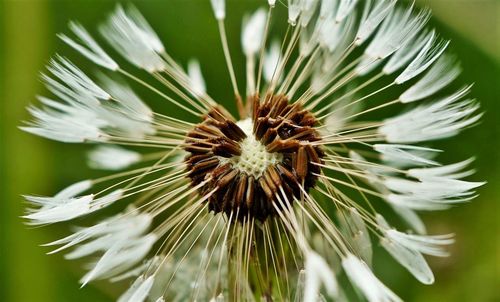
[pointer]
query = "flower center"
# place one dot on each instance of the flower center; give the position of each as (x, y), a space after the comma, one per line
(254, 158)
(252, 167)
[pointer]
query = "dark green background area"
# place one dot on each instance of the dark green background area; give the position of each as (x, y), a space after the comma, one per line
(30, 165)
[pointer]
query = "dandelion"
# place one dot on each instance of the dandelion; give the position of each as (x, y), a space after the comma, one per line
(276, 200)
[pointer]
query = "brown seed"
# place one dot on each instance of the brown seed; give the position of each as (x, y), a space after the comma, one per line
(196, 149)
(274, 175)
(232, 131)
(313, 155)
(301, 163)
(265, 188)
(272, 186)
(204, 165)
(255, 107)
(283, 146)
(192, 160)
(236, 131)
(226, 148)
(269, 136)
(260, 127)
(303, 133)
(250, 192)
(208, 129)
(218, 114)
(241, 190)
(228, 197)
(286, 174)
(221, 170)
(279, 106)
(196, 134)
(226, 179)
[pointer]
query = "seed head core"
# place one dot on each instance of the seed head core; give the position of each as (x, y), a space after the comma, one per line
(252, 166)
(254, 158)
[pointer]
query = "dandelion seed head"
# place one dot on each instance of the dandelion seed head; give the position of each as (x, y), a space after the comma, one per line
(273, 201)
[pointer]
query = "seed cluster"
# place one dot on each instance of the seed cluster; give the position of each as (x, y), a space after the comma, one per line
(252, 169)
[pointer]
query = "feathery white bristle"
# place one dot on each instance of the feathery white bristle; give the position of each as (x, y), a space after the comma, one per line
(404, 152)
(271, 60)
(129, 102)
(411, 218)
(442, 73)
(357, 234)
(425, 244)
(406, 52)
(219, 7)
(63, 130)
(151, 263)
(425, 195)
(138, 291)
(367, 64)
(345, 8)
(318, 273)
(143, 29)
(82, 117)
(103, 235)
(109, 232)
(74, 189)
(112, 158)
(76, 79)
(196, 78)
(427, 55)
(121, 256)
(375, 176)
(57, 209)
(453, 171)
(327, 10)
(129, 115)
(70, 95)
(294, 9)
(136, 44)
(253, 32)
(307, 11)
(363, 278)
(335, 122)
(90, 48)
(334, 34)
(433, 121)
(411, 259)
(396, 30)
(434, 193)
(373, 15)
(307, 43)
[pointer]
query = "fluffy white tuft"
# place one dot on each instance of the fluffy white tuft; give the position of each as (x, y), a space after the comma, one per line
(132, 37)
(318, 273)
(90, 48)
(112, 158)
(196, 78)
(219, 7)
(253, 32)
(363, 278)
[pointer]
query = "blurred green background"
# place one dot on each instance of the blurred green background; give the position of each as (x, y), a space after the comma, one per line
(32, 165)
